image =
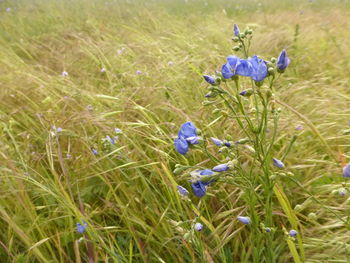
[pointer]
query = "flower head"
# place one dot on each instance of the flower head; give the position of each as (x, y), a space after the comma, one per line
(221, 168)
(228, 70)
(94, 151)
(81, 227)
(198, 227)
(259, 72)
(210, 79)
(277, 163)
(282, 61)
(182, 190)
(199, 188)
(244, 219)
(216, 141)
(181, 145)
(236, 30)
(293, 233)
(346, 170)
(187, 130)
(267, 229)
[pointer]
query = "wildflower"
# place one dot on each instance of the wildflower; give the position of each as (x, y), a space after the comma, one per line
(182, 190)
(278, 163)
(210, 79)
(117, 130)
(121, 51)
(111, 140)
(227, 144)
(244, 68)
(81, 227)
(181, 145)
(187, 135)
(236, 30)
(346, 170)
(8, 9)
(216, 141)
(205, 172)
(228, 70)
(198, 227)
(64, 74)
(293, 233)
(170, 63)
(221, 168)
(244, 219)
(103, 70)
(199, 188)
(342, 192)
(299, 127)
(94, 151)
(138, 72)
(259, 72)
(282, 61)
(267, 229)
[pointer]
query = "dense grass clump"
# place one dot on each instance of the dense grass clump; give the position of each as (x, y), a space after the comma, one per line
(74, 71)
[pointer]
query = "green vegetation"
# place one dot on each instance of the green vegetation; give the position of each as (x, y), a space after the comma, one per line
(127, 192)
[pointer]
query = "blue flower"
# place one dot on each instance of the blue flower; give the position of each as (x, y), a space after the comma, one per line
(117, 130)
(205, 172)
(282, 61)
(210, 79)
(199, 188)
(216, 141)
(259, 72)
(182, 190)
(244, 68)
(236, 30)
(278, 163)
(187, 135)
(111, 140)
(228, 70)
(81, 227)
(267, 229)
(181, 145)
(187, 130)
(293, 233)
(346, 170)
(244, 219)
(243, 93)
(227, 144)
(198, 227)
(221, 168)
(94, 151)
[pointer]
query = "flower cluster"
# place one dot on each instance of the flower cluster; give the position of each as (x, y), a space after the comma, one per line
(187, 135)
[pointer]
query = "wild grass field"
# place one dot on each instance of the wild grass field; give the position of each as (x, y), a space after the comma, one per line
(74, 71)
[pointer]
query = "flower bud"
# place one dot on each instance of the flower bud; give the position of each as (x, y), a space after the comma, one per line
(246, 93)
(242, 35)
(235, 39)
(342, 191)
(236, 30)
(312, 216)
(298, 208)
(273, 60)
(236, 48)
(271, 71)
(293, 233)
(198, 227)
(221, 168)
(244, 219)
(346, 171)
(278, 163)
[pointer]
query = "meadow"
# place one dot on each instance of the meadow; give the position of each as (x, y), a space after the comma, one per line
(93, 94)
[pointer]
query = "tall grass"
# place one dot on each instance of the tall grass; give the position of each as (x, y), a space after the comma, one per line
(127, 192)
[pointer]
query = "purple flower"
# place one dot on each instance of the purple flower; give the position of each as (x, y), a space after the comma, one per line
(81, 227)
(117, 130)
(243, 93)
(277, 163)
(259, 72)
(244, 219)
(244, 68)
(138, 72)
(293, 233)
(187, 130)
(94, 151)
(193, 140)
(227, 144)
(210, 79)
(111, 140)
(221, 168)
(64, 74)
(103, 70)
(267, 229)
(198, 227)
(236, 30)
(199, 188)
(346, 171)
(181, 145)
(205, 172)
(216, 141)
(282, 61)
(228, 70)
(182, 190)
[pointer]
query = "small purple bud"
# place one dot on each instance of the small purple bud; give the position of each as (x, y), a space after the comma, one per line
(138, 72)
(198, 227)
(181, 145)
(282, 61)
(221, 168)
(243, 93)
(267, 229)
(59, 129)
(81, 227)
(216, 141)
(227, 144)
(94, 151)
(8, 9)
(103, 70)
(182, 190)
(117, 130)
(64, 74)
(111, 140)
(209, 79)
(236, 30)
(293, 233)
(346, 171)
(299, 127)
(206, 172)
(244, 219)
(278, 163)
(342, 192)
